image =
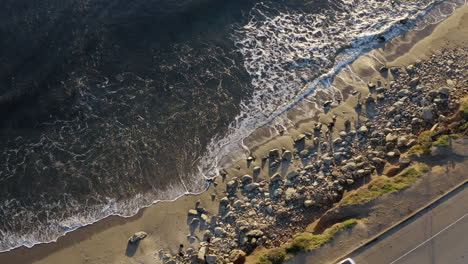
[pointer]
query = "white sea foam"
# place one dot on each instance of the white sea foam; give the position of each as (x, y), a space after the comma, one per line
(292, 54)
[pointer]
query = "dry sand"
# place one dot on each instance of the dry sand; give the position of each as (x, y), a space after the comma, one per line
(166, 222)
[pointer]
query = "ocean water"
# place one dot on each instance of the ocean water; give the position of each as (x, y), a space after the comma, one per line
(109, 106)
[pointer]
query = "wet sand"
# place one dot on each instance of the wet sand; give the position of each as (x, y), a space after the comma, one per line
(166, 222)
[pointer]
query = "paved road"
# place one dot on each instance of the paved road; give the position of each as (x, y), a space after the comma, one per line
(440, 236)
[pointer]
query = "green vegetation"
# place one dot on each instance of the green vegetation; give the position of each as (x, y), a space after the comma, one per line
(424, 144)
(464, 110)
(423, 167)
(464, 127)
(382, 186)
(274, 256)
(304, 242)
(442, 141)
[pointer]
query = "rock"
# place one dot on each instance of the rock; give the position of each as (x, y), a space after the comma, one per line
(231, 186)
(309, 203)
(211, 259)
(350, 166)
(276, 177)
(403, 93)
(413, 82)
(377, 161)
(363, 130)
(391, 138)
(444, 91)
(201, 255)
(287, 155)
(404, 162)
(256, 170)
(237, 256)
(192, 212)
(255, 233)
(337, 141)
(207, 235)
(383, 69)
(300, 138)
(246, 179)
(290, 194)
(292, 175)
(274, 153)
(349, 181)
(402, 141)
(370, 100)
(304, 153)
(224, 201)
(137, 237)
(251, 187)
(278, 192)
(427, 113)
(218, 231)
(204, 218)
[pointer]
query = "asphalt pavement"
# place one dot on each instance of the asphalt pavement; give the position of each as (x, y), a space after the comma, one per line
(439, 236)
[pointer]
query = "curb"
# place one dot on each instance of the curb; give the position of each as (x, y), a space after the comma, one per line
(404, 220)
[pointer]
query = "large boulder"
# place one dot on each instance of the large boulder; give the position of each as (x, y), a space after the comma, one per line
(237, 256)
(137, 237)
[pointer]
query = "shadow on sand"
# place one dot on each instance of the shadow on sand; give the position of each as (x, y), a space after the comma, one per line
(131, 248)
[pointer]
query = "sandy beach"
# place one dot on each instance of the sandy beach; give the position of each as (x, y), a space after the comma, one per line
(167, 223)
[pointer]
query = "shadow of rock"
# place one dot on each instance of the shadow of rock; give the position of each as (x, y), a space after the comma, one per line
(132, 247)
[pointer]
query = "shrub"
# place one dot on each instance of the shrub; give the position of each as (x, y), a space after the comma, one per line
(274, 256)
(382, 186)
(464, 110)
(424, 144)
(442, 141)
(306, 242)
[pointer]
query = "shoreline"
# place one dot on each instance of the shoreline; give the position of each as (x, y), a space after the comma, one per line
(392, 31)
(100, 229)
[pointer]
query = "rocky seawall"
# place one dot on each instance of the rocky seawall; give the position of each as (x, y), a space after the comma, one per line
(334, 158)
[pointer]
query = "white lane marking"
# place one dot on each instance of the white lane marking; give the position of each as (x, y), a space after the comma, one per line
(429, 239)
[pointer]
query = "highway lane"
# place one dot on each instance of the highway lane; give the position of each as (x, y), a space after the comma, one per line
(440, 236)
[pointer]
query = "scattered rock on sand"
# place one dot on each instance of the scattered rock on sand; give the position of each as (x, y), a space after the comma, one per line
(137, 237)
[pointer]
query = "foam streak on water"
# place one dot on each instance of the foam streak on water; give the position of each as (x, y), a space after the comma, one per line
(292, 55)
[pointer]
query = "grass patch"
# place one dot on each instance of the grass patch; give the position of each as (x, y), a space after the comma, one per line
(304, 242)
(442, 141)
(424, 144)
(423, 167)
(464, 110)
(274, 256)
(464, 127)
(382, 186)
